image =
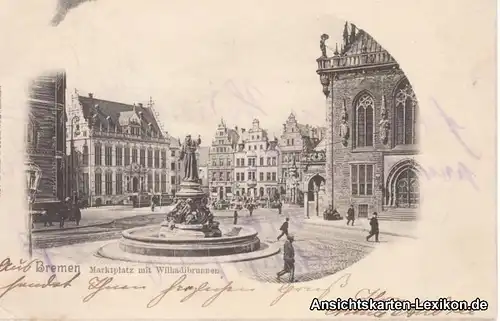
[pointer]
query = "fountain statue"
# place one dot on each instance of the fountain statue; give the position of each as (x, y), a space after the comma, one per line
(189, 231)
(190, 212)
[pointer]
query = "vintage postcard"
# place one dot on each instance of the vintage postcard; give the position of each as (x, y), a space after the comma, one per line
(248, 160)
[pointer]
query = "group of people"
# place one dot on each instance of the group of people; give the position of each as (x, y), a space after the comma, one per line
(67, 211)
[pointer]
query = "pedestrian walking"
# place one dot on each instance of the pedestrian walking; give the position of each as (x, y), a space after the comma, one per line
(235, 217)
(280, 205)
(284, 228)
(77, 213)
(289, 259)
(373, 227)
(64, 211)
(350, 215)
(250, 208)
(153, 204)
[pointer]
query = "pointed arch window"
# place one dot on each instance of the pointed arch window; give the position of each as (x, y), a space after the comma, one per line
(406, 108)
(364, 121)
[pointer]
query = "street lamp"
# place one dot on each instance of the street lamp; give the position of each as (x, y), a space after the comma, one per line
(75, 130)
(33, 175)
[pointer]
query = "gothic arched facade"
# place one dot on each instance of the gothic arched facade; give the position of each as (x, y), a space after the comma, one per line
(374, 167)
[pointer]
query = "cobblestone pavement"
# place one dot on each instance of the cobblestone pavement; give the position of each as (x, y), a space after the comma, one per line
(319, 250)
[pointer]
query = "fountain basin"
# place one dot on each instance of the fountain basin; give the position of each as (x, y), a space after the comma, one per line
(142, 244)
(144, 241)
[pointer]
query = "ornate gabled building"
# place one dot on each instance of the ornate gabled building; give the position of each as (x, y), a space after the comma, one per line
(221, 162)
(295, 139)
(372, 134)
(257, 161)
(118, 150)
(45, 138)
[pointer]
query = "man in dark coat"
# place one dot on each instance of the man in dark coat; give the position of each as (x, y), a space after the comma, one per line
(77, 214)
(288, 258)
(373, 227)
(284, 228)
(250, 208)
(350, 215)
(235, 217)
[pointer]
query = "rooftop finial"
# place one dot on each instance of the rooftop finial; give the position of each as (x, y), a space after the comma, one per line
(336, 53)
(353, 33)
(345, 35)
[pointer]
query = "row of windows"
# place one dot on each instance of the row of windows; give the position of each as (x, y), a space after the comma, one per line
(116, 186)
(405, 118)
(221, 162)
(271, 161)
(123, 157)
(270, 176)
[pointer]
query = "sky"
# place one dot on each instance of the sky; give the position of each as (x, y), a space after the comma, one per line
(199, 64)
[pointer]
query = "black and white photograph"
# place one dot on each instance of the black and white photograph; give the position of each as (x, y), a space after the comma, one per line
(250, 159)
(285, 202)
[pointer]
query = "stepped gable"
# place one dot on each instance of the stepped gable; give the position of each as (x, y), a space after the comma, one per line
(118, 112)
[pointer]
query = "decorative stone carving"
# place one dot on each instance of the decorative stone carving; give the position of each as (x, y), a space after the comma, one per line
(322, 45)
(344, 126)
(325, 82)
(384, 123)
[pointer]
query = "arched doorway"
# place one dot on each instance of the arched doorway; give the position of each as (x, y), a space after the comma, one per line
(407, 189)
(135, 184)
(402, 188)
(313, 187)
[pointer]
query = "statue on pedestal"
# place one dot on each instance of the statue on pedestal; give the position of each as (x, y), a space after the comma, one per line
(190, 211)
(188, 156)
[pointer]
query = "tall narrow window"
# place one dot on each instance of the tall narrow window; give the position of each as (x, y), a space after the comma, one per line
(85, 155)
(361, 179)
(119, 184)
(150, 158)
(97, 154)
(118, 156)
(98, 183)
(157, 182)
(364, 121)
(134, 155)
(126, 156)
(157, 159)
(108, 155)
(142, 159)
(406, 110)
(163, 159)
(108, 183)
(163, 183)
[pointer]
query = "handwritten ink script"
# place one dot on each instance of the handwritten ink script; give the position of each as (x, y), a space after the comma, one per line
(191, 291)
(97, 285)
(454, 128)
(246, 95)
(35, 265)
(288, 289)
(50, 283)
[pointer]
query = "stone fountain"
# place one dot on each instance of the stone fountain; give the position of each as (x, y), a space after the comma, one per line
(189, 233)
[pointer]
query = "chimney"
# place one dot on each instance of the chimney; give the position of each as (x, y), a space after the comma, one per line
(91, 95)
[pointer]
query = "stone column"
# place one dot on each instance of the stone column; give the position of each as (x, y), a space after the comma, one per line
(306, 205)
(329, 170)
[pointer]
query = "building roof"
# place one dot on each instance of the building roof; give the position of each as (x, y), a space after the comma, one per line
(118, 114)
(321, 146)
